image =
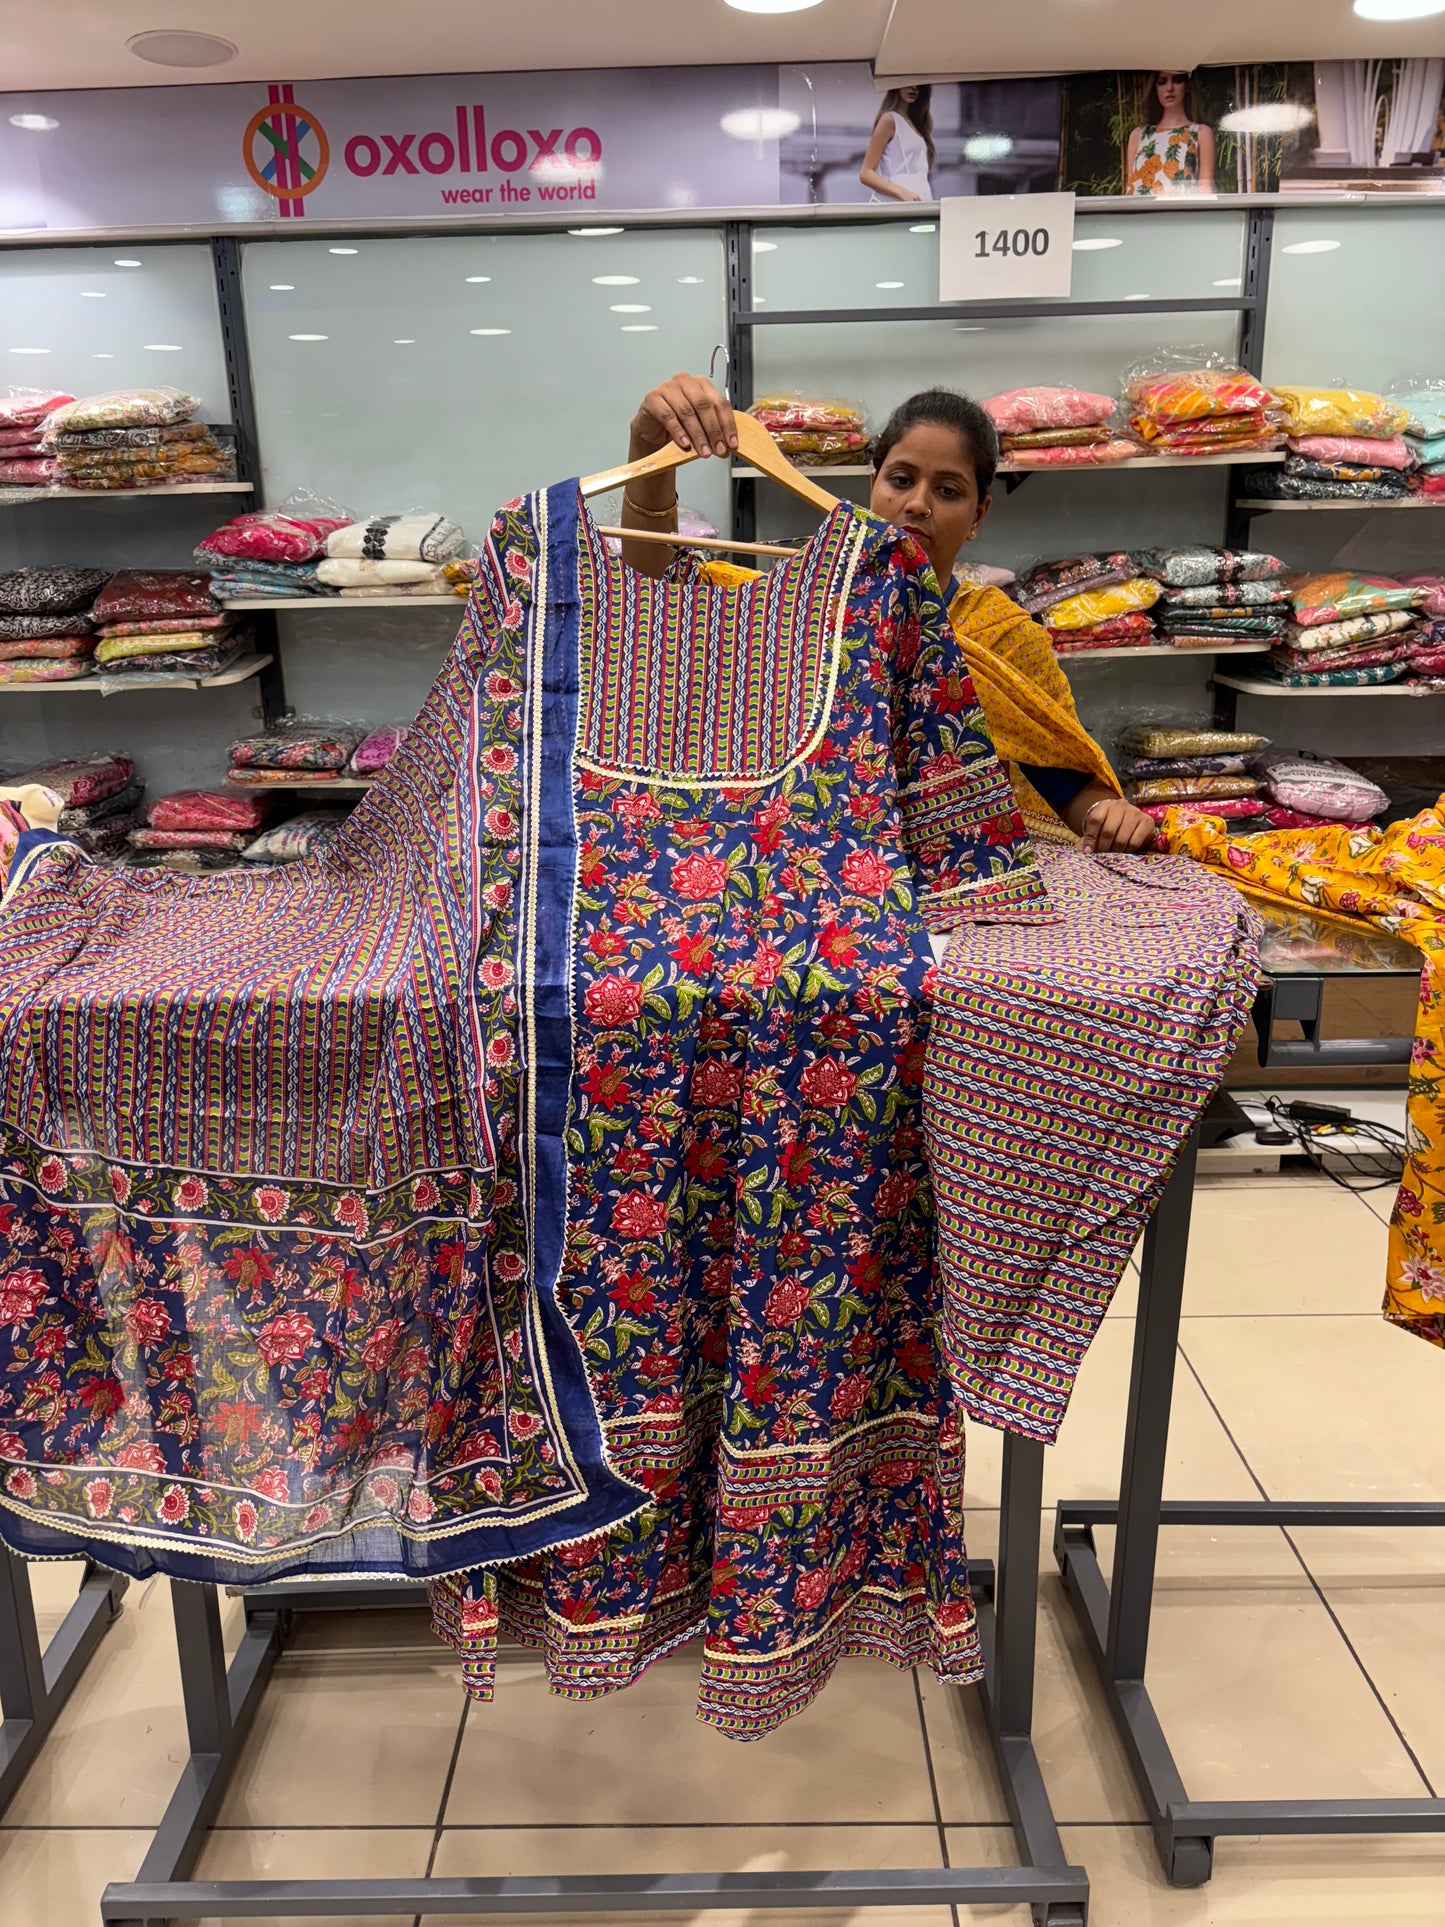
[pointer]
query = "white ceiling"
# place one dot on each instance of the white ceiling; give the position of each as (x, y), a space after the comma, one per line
(50, 44)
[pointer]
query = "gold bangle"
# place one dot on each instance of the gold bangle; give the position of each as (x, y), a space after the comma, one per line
(653, 515)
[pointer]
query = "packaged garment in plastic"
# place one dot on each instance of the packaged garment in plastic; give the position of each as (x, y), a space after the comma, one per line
(1332, 594)
(220, 809)
(130, 438)
(1341, 678)
(33, 472)
(123, 802)
(1281, 819)
(789, 413)
(1234, 809)
(172, 643)
(313, 746)
(1134, 627)
(1050, 582)
(80, 780)
(345, 572)
(49, 591)
(1099, 605)
(1167, 397)
(375, 751)
(1077, 455)
(295, 532)
(984, 575)
(418, 536)
(124, 408)
(52, 648)
(26, 628)
(1197, 566)
(1318, 786)
(1424, 404)
(167, 625)
(1054, 438)
(1365, 656)
(1142, 768)
(434, 584)
(1174, 739)
(1229, 595)
(1363, 450)
(1277, 485)
(1182, 789)
(1338, 635)
(1301, 468)
(1022, 411)
(28, 407)
(151, 595)
(147, 838)
(1225, 621)
(461, 573)
(43, 671)
(1339, 411)
(300, 836)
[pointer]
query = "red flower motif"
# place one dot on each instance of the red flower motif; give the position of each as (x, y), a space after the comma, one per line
(249, 1268)
(838, 943)
(247, 1518)
(272, 1202)
(501, 687)
(768, 823)
(22, 1293)
(590, 865)
(523, 1425)
(915, 1357)
(796, 1165)
(498, 759)
(828, 1083)
(606, 1085)
(192, 1194)
(174, 1505)
(102, 1396)
(425, 1194)
(119, 1183)
(143, 1457)
(787, 1301)
(21, 1483)
(272, 1484)
(351, 1212)
(99, 1497)
(638, 1214)
(867, 875)
(501, 822)
(284, 1338)
(632, 1292)
(699, 876)
(638, 806)
(767, 962)
(812, 1588)
(496, 974)
(760, 1385)
(704, 1158)
(865, 1273)
(849, 1396)
(613, 1001)
(147, 1321)
(715, 1084)
(51, 1174)
(379, 1349)
(693, 954)
(895, 1194)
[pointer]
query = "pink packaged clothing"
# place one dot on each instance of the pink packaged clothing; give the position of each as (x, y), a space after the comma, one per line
(166, 625)
(52, 648)
(1231, 808)
(270, 536)
(219, 809)
(1432, 602)
(1318, 787)
(1282, 819)
(375, 751)
(151, 839)
(27, 411)
(15, 442)
(42, 671)
(78, 781)
(34, 472)
(1392, 453)
(1076, 455)
(154, 595)
(1023, 410)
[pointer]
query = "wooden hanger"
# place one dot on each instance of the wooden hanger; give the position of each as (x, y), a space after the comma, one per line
(672, 540)
(755, 445)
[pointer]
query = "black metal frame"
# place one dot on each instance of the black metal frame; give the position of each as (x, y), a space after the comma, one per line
(36, 1681)
(221, 1704)
(1114, 1613)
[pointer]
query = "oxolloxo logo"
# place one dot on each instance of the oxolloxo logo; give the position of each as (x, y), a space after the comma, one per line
(287, 154)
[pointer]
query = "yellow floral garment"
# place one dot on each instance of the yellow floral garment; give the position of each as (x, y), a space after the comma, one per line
(1393, 878)
(1168, 159)
(1024, 693)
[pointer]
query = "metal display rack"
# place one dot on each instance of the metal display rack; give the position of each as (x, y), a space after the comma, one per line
(1114, 1613)
(36, 1681)
(221, 1704)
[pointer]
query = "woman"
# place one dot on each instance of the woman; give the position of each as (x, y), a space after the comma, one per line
(934, 466)
(901, 151)
(1173, 152)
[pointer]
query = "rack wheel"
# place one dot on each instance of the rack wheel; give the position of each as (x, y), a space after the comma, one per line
(1192, 1862)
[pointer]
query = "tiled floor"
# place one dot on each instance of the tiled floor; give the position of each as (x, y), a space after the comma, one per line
(1306, 1664)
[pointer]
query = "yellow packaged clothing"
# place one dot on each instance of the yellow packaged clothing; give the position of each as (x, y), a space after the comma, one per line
(1340, 411)
(1393, 879)
(1025, 696)
(1190, 789)
(1099, 605)
(171, 642)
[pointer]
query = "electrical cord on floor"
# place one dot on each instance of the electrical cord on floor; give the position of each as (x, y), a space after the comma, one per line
(1304, 1124)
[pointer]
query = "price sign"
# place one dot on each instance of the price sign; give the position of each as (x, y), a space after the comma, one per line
(1005, 247)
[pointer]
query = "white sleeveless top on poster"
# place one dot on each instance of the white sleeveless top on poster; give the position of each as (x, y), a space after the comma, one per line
(905, 160)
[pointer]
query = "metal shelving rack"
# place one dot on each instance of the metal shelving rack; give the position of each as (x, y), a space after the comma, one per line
(36, 1681)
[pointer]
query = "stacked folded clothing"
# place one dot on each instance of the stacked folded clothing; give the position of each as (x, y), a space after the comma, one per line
(135, 438)
(392, 555)
(814, 433)
(298, 753)
(25, 461)
(1348, 631)
(1057, 428)
(375, 751)
(1425, 435)
(47, 623)
(222, 819)
(1217, 598)
(100, 795)
(1199, 772)
(163, 625)
(1202, 411)
(1306, 791)
(1090, 601)
(272, 553)
(299, 836)
(1345, 444)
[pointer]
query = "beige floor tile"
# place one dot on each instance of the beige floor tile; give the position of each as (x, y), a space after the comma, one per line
(1392, 1880)
(353, 1853)
(54, 1584)
(119, 1745)
(1286, 1248)
(493, 1852)
(55, 1878)
(357, 1726)
(1085, 1462)
(1316, 1404)
(641, 1756)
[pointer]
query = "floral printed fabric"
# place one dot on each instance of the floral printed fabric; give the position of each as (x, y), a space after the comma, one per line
(1025, 411)
(1340, 411)
(48, 591)
(124, 408)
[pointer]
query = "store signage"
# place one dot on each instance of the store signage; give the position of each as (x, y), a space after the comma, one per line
(1005, 247)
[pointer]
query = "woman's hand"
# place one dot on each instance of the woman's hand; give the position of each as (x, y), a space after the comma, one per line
(687, 410)
(1107, 823)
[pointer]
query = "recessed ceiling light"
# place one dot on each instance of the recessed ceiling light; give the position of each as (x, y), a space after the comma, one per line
(404, 341)
(308, 337)
(1229, 281)
(924, 227)
(765, 247)
(614, 280)
(773, 6)
(92, 294)
(34, 123)
(123, 262)
(479, 277)
(283, 287)
(163, 347)
(343, 250)
(888, 284)
(1136, 297)
(30, 351)
(1269, 117)
(1310, 247)
(689, 280)
(180, 49)
(987, 147)
(587, 233)
(760, 301)
(639, 328)
(760, 123)
(102, 357)
(489, 331)
(631, 307)
(970, 328)
(1393, 9)
(1092, 243)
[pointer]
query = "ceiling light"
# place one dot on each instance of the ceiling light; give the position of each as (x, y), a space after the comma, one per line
(760, 301)
(1092, 243)
(987, 147)
(163, 348)
(888, 284)
(30, 351)
(33, 123)
(924, 227)
(180, 49)
(121, 262)
(343, 250)
(765, 247)
(479, 277)
(283, 287)
(404, 341)
(1269, 117)
(489, 331)
(639, 328)
(1229, 281)
(689, 280)
(631, 307)
(308, 337)
(969, 328)
(1389, 9)
(760, 123)
(586, 233)
(773, 6)
(1136, 297)
(91, 294)
(614, 280)
(1310, 247)
(102, 357)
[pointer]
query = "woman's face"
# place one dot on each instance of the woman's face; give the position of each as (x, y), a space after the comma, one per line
(908, 95)
(928, 486)
(1170, 88)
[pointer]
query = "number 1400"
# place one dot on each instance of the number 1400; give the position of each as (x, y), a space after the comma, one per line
(1020, 241)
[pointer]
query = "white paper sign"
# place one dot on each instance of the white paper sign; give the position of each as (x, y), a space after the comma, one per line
(1005, 247)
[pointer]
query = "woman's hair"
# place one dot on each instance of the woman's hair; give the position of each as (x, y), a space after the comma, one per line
(1152, 108)
(919, 115)
(944, 408)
